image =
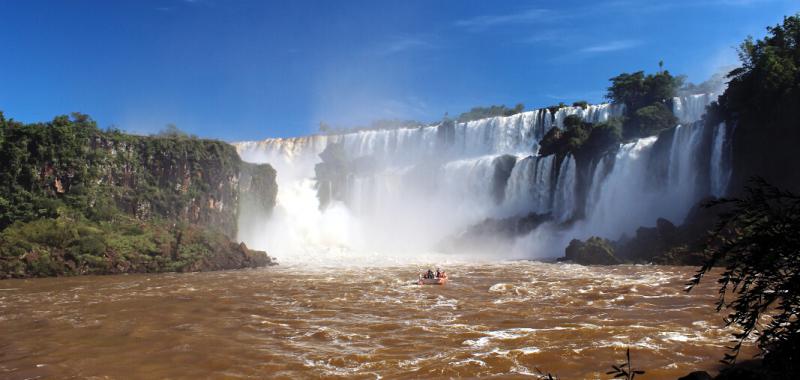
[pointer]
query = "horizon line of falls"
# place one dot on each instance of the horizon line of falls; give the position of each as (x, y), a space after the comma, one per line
(399, 195)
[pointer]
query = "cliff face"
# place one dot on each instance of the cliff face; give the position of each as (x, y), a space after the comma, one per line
(258, 189)
(74, 200)
(188, 180)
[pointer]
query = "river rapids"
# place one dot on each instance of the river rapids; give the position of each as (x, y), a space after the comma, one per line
(503, 319)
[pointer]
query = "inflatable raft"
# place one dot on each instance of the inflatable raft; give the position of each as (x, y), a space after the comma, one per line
(432, 281)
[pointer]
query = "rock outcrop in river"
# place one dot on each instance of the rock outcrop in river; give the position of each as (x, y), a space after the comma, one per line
(665, 243)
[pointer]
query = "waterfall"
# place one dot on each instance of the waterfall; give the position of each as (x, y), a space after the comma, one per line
(407, 189)
(691, 108)
(564, 202)
(529, 187)
(496, 135)
(682, 159)
(623, 201)
(720, 161)
(625, 198)
(599, 175)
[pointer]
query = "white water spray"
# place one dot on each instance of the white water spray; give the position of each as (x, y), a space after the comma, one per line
(428, 184)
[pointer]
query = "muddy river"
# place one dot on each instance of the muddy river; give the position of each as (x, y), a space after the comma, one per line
(503, 320)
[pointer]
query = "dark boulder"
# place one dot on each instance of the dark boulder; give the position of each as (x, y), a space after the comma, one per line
(595, 251)
(647, 244)
(666, 231)
(697, 375)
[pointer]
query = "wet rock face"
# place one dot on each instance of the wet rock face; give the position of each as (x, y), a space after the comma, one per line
(183, 179)
(188, 180)
(78, 200)
(595, 251)
(258, 189)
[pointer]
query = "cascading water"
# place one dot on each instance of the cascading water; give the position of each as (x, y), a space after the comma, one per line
(691, 108)
(427, 183)
(720, 161)
(564, 205)
(529, 186)
(682, 177)
(621, 196)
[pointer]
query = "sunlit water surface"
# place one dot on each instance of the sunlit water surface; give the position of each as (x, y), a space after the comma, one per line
(504, 319)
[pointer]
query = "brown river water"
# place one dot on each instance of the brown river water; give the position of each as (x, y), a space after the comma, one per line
(502, 320)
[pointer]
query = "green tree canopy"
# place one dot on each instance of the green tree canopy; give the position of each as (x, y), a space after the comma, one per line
(638, 90)
(761, 100)
(483, 112)
(770, 70)
(649, 120)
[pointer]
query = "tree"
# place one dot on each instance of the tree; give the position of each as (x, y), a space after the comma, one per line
(761, 100)
(649, 120)
(645, 98)
(627, 89)
(758, 243)
(637, 90)
(770, 70)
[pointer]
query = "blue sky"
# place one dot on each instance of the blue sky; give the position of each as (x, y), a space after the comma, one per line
(238, 70)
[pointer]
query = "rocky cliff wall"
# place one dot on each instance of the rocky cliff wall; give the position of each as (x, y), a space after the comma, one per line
(76, 200)
(69, 163)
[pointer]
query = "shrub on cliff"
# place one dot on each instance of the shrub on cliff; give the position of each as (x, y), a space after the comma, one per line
(757, 243)
(559, 142)
(581, 103)
(603, 136)
(648, 121)
(585, 141)
(483, 112)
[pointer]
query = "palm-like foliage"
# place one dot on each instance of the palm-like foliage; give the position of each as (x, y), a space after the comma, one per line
(758, 242)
